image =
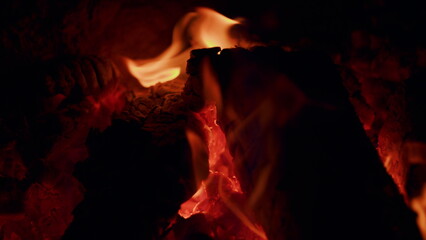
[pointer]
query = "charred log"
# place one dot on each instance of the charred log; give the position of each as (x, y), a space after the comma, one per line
(289, 120)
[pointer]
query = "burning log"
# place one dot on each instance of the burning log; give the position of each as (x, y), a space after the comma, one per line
(301, 154)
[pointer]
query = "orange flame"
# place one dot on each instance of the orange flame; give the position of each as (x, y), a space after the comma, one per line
(203, 28)
(418, 204)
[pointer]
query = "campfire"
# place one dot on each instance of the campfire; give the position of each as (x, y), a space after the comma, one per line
(137, 120)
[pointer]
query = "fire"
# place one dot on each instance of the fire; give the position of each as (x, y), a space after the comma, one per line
(220, 197)
(203, 28)
(418, 204)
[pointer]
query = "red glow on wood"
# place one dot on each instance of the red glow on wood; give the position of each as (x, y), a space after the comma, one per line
(220, 197)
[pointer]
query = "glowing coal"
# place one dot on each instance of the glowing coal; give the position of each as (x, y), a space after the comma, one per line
(220, 197)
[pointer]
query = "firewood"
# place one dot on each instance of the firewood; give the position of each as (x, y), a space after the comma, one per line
(87, 75)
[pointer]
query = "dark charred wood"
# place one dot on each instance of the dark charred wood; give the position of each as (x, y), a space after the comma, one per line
(326, 178)
(194, 90)
(134, 186)
(78, 75)
(416, 180)
(416, 103)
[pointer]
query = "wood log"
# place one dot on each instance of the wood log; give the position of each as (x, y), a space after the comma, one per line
(300, 148)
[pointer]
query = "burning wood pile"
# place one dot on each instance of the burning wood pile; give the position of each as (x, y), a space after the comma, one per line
(221, 136)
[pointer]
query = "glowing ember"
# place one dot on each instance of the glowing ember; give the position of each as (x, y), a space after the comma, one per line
(220, 197)
(203, 28)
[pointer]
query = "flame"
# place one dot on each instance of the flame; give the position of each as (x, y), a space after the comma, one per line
(211, 29)
(203, 28)
(199, 156)
(220, 196)
(418, 204)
